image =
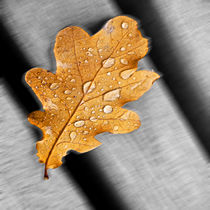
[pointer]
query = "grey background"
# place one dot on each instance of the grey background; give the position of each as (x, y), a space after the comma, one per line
(164, 164)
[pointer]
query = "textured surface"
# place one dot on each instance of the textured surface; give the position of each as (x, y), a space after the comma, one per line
(160, 166)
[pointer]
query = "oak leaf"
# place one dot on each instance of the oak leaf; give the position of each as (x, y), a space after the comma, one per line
(96, 75)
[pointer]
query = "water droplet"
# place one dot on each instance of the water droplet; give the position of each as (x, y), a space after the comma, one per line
(119, 83)
(73, 135)
(60, 78)
(67, 92)
(125, 116)
(73, 88)
(107, 109)
(108, 73)
(89, 54)
(130, 35)
(108, 63)
(86, 108)
(86, 86)
(113, 78)
(54, 86)
(106, 122)
(72, 80)
(124, 25)
(78, 117)
(122, 48)
(93, 112)
(93, 119)
(55, 95)
(86, 61)
(85, 132)
(92, 87)
(131, 53)
(116, 128)
(102, 89)
(135, 85)
(90, 49)
(100, 50)
(129, 45)
(123, 61)
(112, 95)
(68, 98)
(79, 123)
(84, 139)
(127, 73)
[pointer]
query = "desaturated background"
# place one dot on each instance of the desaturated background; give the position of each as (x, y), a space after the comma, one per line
(162, 166)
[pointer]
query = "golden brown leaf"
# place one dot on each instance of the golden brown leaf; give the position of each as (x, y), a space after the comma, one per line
(96, 75)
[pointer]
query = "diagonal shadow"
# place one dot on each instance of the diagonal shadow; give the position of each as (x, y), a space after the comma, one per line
(81, 168)
(175, 78)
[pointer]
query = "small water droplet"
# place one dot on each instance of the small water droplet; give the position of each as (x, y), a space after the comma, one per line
(84, 139)
(90, 49)
(92, 87)
(54, 86)
(119, 83)
(135, 85)
(124, 25)
(93, 119)
(89, 54)
(78, 117)
(86, 61)
(131, 53)
(107, 109)
(108, 63)
(106, 122)
(86, 86)
(102, 89)
(73, 135)
(100, 50)
(55, 95)
(129, 45)
(93, 112)
(67, 92)
(127, 73)
(123, 61)
(86, 108)
(116, 128)
(79, 123)
(72, 80)
(122, 48)
(85, 132)
(73, 88)
(68, 98)
(125, 116)
(112, 95)
(108, 73)
(130, 35)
